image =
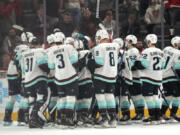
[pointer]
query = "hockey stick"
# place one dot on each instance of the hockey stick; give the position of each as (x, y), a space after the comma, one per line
(177, 76)
(163, 96)
(20, 28)
(118, 71)
(93, 102)
(97, 8)
(44, 107)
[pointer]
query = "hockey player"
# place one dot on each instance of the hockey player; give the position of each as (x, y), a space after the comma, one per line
(35, 69)
(14, 77)
(51, 39)
(135, 89)
(63, 60)
(23, 114)
(14, 88)
(69, 40)
(85, 86)
(176, 70)
(124, 81)
(151, 67)
(169, 79)
(106, 60)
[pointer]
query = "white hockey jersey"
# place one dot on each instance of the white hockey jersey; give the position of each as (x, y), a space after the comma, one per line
(176, 62)
(19, 50)
(61, 59)
(134, 55)
(51, 73)
(106, 55)
(12, 72)
(126, 72)
(84, 76)
(169, 56)
(152, 60)
(31, 60)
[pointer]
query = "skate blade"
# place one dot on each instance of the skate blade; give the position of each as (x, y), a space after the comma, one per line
(6, 124)
(21, 124)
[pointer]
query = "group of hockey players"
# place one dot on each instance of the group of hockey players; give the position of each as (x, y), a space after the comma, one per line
(72, 82)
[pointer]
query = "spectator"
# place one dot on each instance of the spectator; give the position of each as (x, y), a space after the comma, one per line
(143, 5)
(10, 9)
(173, 10)
(109, 23)
(38, 23)
(132, 7)
(153, 15)
(132, 3)
(66, 26)
(53, 8)
(105, 5)
(130, 27)
(10, 42)
(88, 23)
(74, 7)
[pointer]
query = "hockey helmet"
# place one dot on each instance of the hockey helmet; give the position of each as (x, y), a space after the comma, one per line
(152, 38)
(119, 41)
(69, 40)
(100, 35)
(132, 39)
(26, 36)
(60, 37)
(78, 44)
(175, 40)
(51, 39)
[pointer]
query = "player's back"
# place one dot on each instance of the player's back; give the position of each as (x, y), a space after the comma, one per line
(106, 55)
(126, 72)
(134, 55)
(61, 59)
(152, 60)
(84, 75)
(169, 56)
(32, 58)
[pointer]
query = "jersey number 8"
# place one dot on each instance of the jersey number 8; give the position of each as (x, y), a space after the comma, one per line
(111, 58)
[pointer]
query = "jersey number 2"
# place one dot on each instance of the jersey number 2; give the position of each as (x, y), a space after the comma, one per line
(156, 63)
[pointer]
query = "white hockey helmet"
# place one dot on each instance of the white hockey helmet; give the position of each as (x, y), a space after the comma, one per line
(132, 39)
(100, 35)
(26, 36)
(175, 40)
(69, 40)
(119, 41)
(78, 44)
(152, 38)
(60, 37)
(51, 39)
(31, 38)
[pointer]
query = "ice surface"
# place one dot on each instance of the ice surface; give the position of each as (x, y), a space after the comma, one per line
(138, 129)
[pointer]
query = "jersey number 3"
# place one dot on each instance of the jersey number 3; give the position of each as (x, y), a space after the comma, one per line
(61, 61)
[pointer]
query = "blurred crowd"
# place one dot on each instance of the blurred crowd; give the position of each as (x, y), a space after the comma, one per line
(138, 17)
